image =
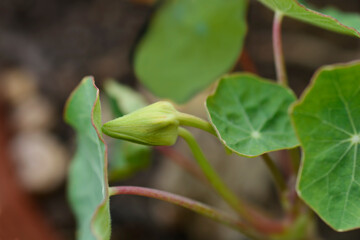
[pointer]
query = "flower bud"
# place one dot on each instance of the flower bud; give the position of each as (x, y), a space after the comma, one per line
(156, 124)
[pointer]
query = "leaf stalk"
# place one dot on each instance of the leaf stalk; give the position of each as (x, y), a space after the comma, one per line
(258, 220)
(190, 204)
(278, 50)
(196, 122)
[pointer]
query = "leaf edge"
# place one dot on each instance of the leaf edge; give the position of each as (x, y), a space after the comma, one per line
(215, 128)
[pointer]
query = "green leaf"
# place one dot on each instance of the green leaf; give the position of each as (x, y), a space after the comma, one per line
(294, 9)
(327, 121)
(124, 98)
(189, 44)
(250, 115)
(126, 158)
(87, 185)
(350, 19)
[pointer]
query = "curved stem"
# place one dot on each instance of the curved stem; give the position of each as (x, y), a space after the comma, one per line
(257, 219)
(278, 51)
(190, 204)
(193, 121)
(211, 175)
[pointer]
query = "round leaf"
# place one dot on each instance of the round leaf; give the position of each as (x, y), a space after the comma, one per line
(327, 121)
(250, 115)
(189, 44)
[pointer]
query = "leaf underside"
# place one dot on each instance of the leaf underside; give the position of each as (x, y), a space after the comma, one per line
(294, 9)
(87, 185)
(327, 121)
(189, 44)
(251, 116)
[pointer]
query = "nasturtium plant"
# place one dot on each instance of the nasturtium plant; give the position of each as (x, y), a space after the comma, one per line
(293, 9)
(189, 44)
(88, 185)
(327, 121)
(251, 114)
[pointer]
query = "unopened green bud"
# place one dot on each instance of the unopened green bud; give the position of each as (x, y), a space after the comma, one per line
(156, 124)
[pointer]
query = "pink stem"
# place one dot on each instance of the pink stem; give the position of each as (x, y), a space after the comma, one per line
(195, 206)
(278, 51)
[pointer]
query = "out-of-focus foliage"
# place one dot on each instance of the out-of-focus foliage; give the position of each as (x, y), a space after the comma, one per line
(344, 24)
(189, 44)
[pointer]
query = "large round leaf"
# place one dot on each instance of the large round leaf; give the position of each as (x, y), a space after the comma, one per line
(293, 9)
(87, 186)
(250, 115)
(327, 121)
(189, 44)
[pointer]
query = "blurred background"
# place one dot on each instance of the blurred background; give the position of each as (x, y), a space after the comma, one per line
(47, 47)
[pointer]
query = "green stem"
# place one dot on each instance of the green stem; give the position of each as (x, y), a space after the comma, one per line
(211, 175)
(190, 204)
(261, 222)
(278, 50)
(193, 121)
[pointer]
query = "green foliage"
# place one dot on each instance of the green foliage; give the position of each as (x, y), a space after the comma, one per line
(251, 115)
(293, 9)
(125, 100)
(347, 18)
(350, 19)
(126, 158)
(87, 186)
(189, 44)
(327, 123)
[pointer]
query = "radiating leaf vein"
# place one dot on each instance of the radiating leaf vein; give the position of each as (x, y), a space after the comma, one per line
(234, 95)
(350, 185)
(229, 123)
(327, 123)
(346, 105)
(332, 168)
